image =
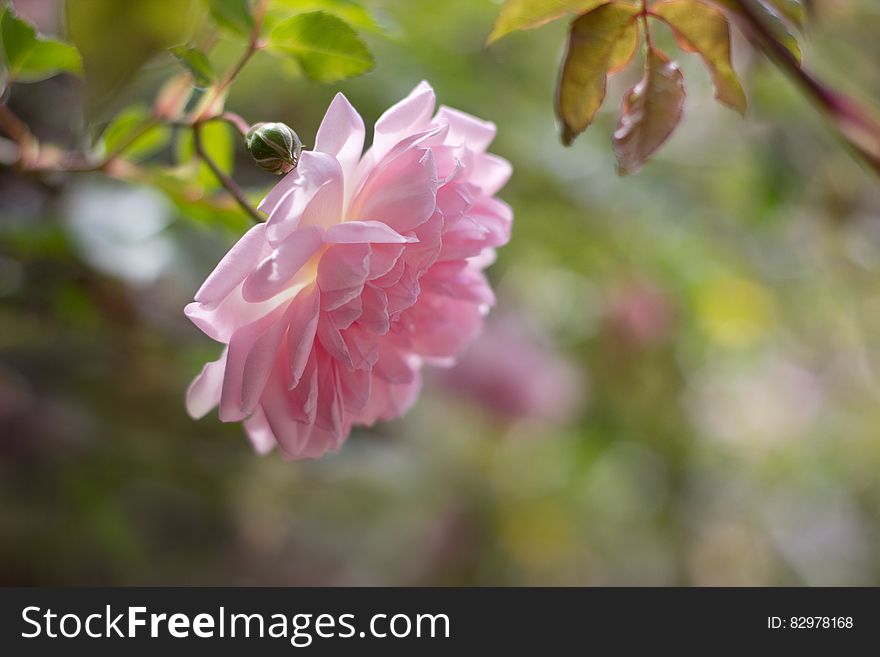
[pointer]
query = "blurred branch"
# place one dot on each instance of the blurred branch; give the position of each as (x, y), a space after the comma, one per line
(236, 121)
(20, 134)
(253, 47)
(224, 180)
(856, 126)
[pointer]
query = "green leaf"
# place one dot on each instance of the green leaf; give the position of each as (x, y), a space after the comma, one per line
(625, 47)
(703, 29)
(124, 131)
(30, 57)
(197, 63)
(219, 145)
(116, 38)
(651, 111)
(326, 47)
(593, 48)
(233, 15)
(529, 14)
(770, 18)
(19, 38)
(350, 11)
(49, 58)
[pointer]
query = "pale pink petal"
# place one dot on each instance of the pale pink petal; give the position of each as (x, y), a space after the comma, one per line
(244, 381)
(330, 411)
(332, 341)
(389, 400)
(374, 313)
(312, 196)
(353, 232)
(419, 257)
(405, 292)
(441, 327)
(453, 200)
(203, 393)
(355, 387)
(341, 273)
(234, 266)
(401, 193)
(301, 332)
(403, 119)
(341, 134)
(496, 216)
(290, 433)
(361, 347)
(220, 321)
(346, 314)
(490, 173)
(392, 366)
(466, 129)
(259, 432)
(303, 398)
(383, 257)
(273, 275)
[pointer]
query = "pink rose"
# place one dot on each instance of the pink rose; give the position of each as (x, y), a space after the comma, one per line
(368, 266)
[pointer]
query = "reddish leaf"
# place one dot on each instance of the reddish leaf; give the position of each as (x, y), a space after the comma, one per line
(598, 40)
(651, 111)
(703, 29)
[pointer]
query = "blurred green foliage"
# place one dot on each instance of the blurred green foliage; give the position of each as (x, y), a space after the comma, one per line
(722, 309)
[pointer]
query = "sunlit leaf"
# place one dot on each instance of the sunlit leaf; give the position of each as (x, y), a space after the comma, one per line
(353, 13)
(197, 63)
(703, 29)
(770, 18)
(126, 130)
(624, 48)
(529, 14)
(592, 41)
(30, 57)
(233, 15)
(117, 38)
(18, 37)
(325, 46)
(651, 111)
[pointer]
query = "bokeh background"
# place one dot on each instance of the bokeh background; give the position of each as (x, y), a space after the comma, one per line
(680, 384)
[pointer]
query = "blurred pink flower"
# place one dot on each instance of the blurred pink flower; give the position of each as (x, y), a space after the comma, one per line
(513, 374)
(641, 313)
(368, 266)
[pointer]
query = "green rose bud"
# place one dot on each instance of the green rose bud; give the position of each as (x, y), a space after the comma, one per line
(274, 147)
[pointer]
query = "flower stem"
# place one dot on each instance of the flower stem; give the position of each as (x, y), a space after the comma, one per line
(643, 15)
(860, 130)
(20, 134)
(227, 182)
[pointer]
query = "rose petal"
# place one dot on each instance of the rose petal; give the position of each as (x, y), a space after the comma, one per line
(341, 134)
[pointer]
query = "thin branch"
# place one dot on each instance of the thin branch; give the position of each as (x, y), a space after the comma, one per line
(253, 47)
(223, 179)
(20, 134)
(851, 121)
(643, 15)
(235, 120)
